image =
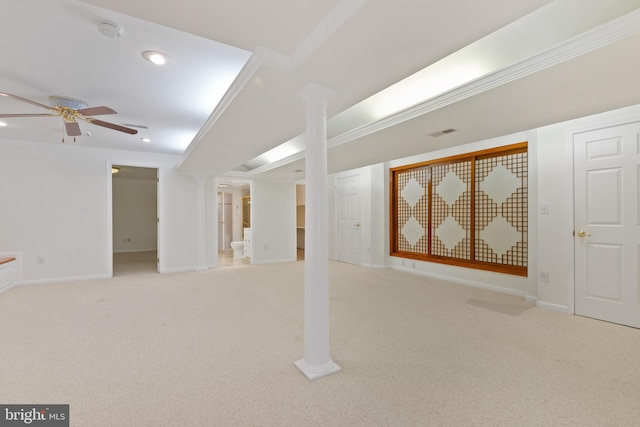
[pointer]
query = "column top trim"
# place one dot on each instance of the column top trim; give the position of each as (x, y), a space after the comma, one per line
(315, 93)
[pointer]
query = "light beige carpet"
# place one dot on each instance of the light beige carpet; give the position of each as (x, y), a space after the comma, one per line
(216, 348)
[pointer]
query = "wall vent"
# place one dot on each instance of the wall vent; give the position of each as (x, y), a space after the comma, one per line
(442, 132)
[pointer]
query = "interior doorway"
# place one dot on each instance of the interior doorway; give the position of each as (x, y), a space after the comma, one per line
(233, 212)
(134, 220)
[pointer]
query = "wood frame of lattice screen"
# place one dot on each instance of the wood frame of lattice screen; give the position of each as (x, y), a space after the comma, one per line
(515, 260)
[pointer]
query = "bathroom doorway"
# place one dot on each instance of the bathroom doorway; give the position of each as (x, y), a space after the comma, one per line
(234, 222)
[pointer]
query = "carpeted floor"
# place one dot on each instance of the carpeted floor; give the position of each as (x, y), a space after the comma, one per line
(216, 348)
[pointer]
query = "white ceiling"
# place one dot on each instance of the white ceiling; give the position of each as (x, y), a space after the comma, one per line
(355, 47)
(53, 47)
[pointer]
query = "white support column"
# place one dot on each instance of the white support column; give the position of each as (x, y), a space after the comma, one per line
(317, 362)
(201, 225)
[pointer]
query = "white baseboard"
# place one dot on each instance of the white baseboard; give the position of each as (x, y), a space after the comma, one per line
(375, 266)
(462, 281)
(7, 287)
(133, 251)
(64, 279)
(554, 307)
(176, 270)
(275, 261)
(531, 298)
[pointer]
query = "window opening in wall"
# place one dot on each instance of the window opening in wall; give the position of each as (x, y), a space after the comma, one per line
(469, 210)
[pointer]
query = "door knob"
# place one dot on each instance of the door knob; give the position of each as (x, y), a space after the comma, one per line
(583, 233)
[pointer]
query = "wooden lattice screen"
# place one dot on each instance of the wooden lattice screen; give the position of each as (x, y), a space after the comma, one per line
(469, 210)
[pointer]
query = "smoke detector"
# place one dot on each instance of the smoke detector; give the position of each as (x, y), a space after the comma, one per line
(110, 29)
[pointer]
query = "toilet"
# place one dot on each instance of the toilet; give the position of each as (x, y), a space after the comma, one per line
(237, 249)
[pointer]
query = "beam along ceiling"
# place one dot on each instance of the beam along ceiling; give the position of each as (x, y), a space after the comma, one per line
(356, 47)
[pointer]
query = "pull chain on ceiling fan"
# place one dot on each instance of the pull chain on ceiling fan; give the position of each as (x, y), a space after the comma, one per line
(71, 110)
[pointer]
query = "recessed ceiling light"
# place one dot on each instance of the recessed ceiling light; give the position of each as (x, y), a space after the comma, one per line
(3, 124)
(155, 57)
(114, 170)
(145, 139)
(223, 185)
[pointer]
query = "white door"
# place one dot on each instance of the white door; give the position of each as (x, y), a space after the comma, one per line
(607, 222)
(349, 219)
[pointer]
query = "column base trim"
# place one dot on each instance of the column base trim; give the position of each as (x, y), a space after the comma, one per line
(313, 372)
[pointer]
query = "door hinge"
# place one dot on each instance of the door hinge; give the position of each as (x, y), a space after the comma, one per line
(158, 220)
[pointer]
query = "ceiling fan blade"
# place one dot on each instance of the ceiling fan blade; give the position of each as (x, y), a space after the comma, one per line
(96, 111)
(113, 126)
(29, 115)
(73, 129)
(19, 98)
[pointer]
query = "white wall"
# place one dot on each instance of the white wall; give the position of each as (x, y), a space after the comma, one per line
(550, 235)
(135, 204)
(56, 210)
(273, 221)
(178, 230)
(211, 223)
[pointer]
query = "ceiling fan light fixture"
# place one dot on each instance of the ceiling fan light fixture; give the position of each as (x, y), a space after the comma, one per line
(145, 139)
(155, 57)
(65, 101)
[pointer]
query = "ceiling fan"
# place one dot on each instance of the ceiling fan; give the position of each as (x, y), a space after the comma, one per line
(71, 110)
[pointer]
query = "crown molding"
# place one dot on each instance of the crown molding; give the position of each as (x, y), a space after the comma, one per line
(589, 41)
(594, 39)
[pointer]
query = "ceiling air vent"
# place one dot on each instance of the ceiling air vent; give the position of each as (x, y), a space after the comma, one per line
(442, 132)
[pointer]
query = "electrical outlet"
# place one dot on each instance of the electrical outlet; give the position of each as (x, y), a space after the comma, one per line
(544, 276)
(40, 259)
